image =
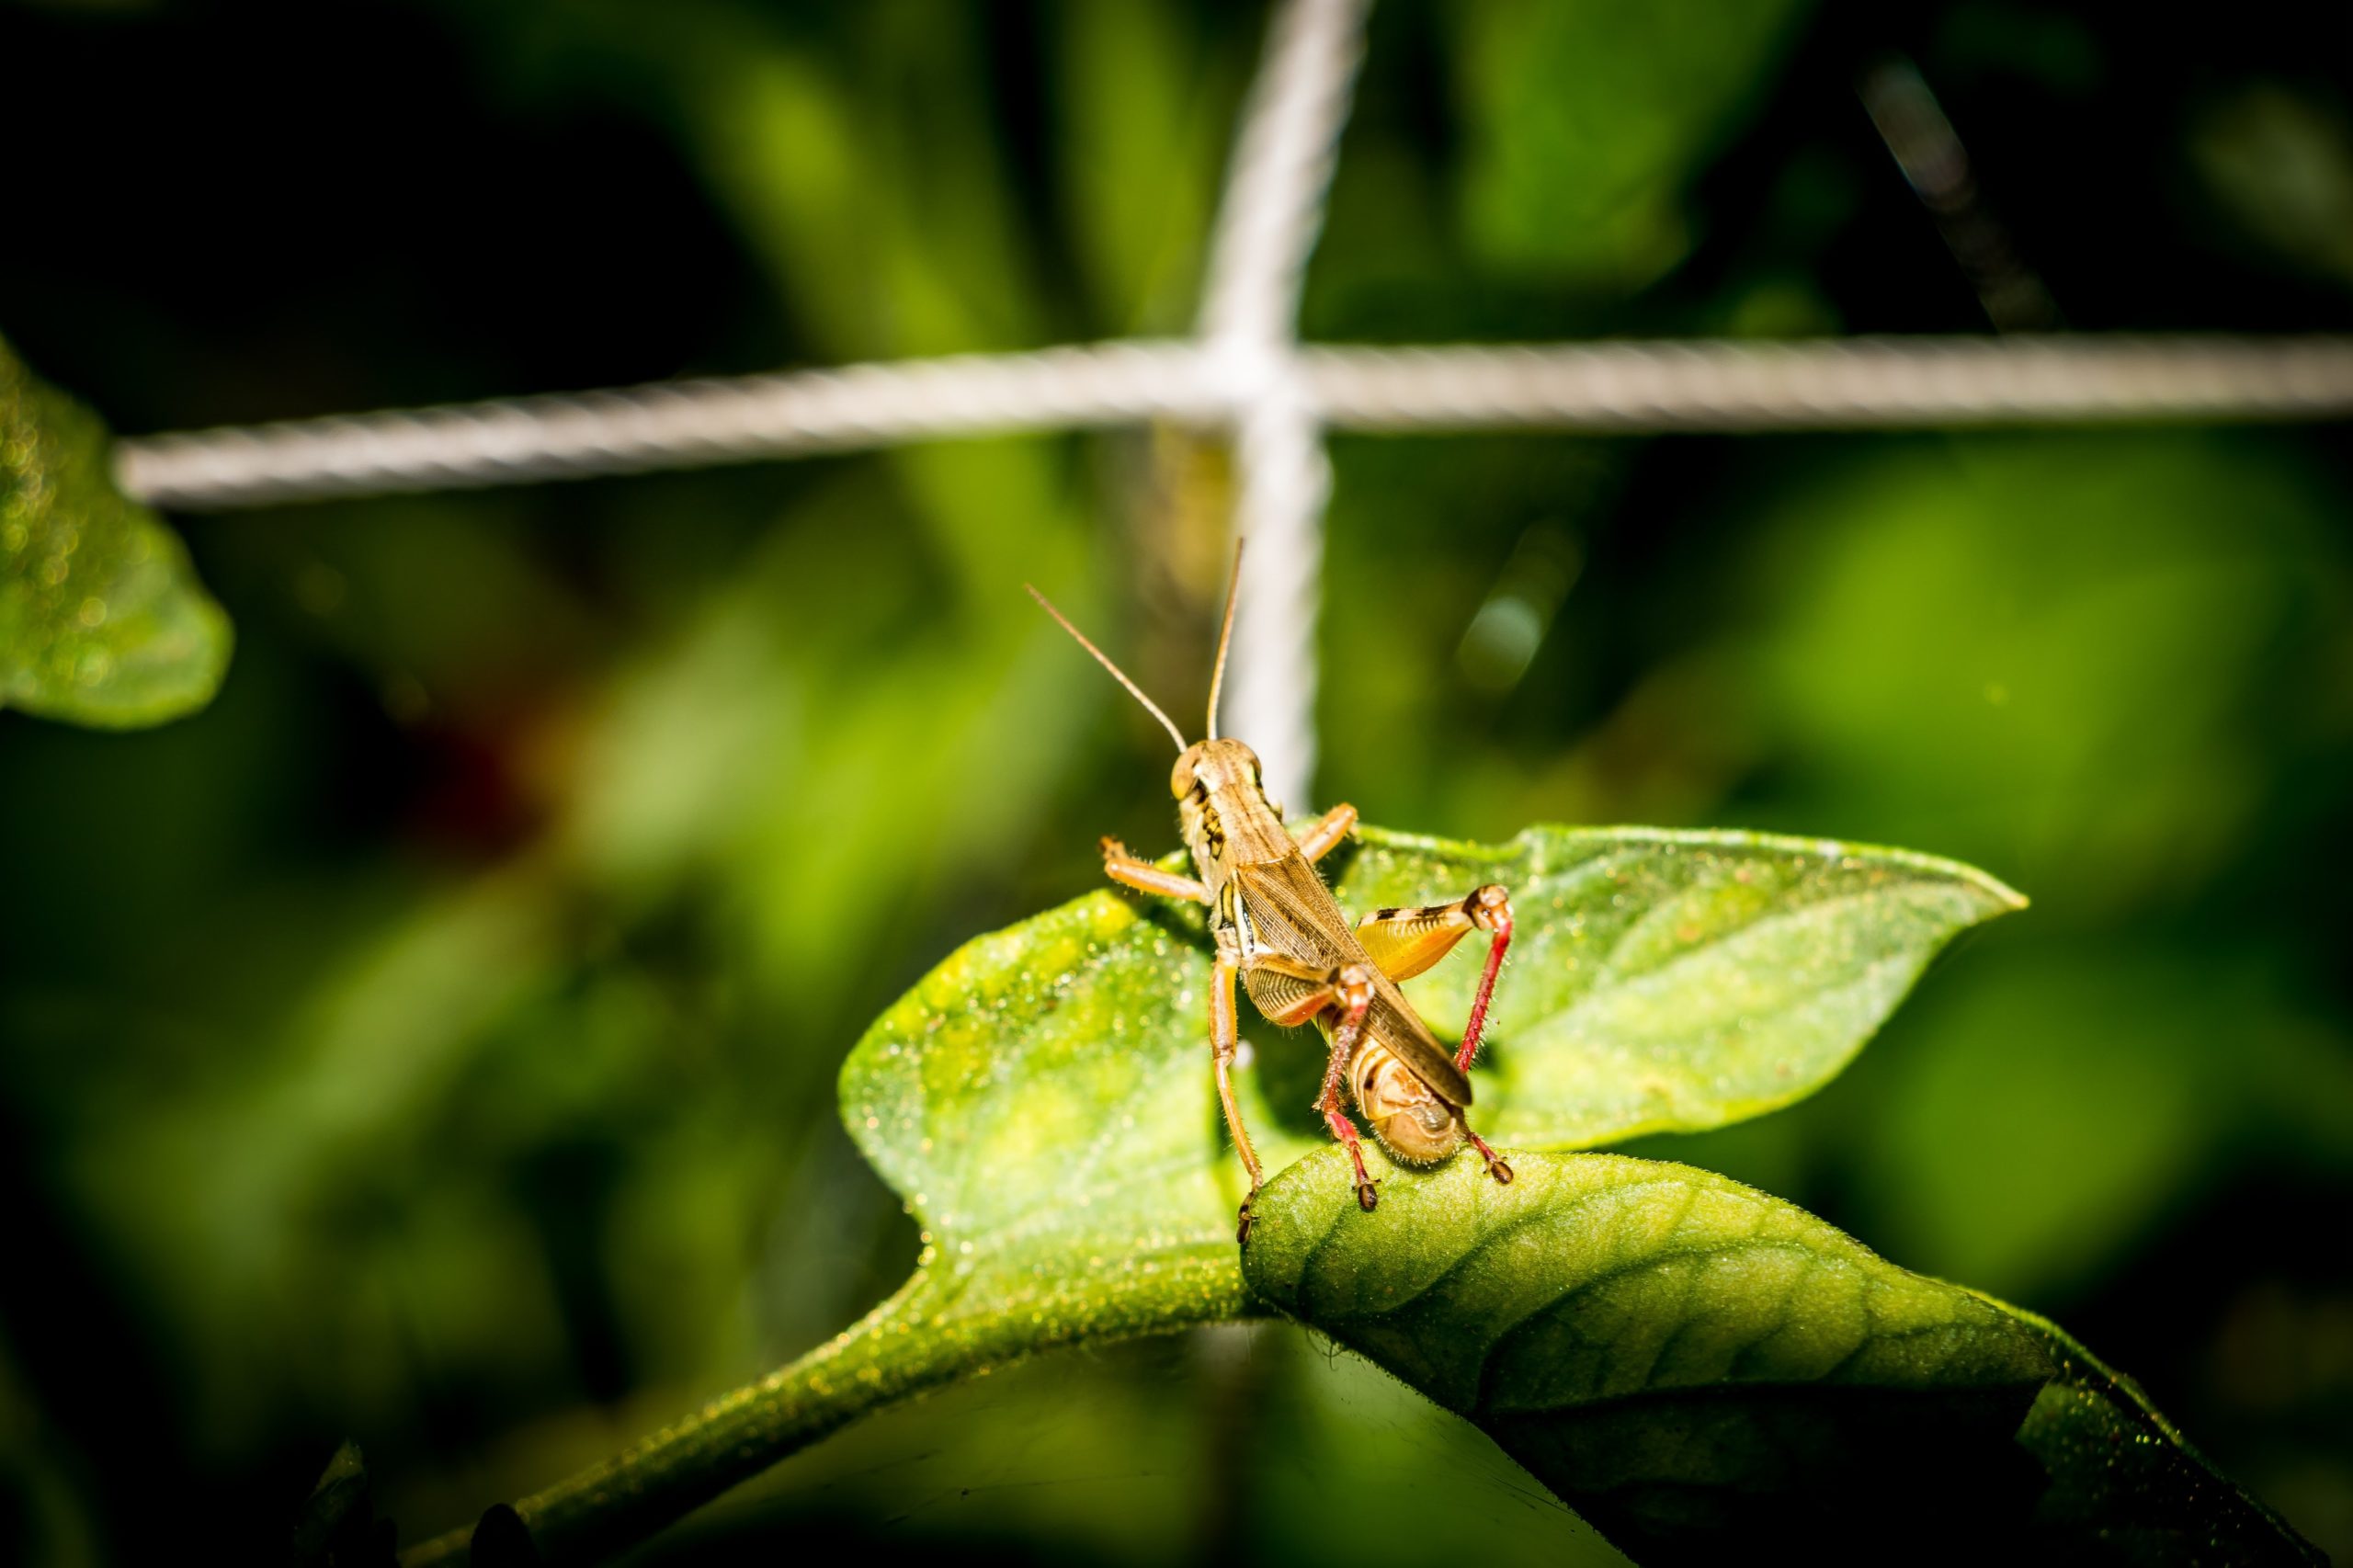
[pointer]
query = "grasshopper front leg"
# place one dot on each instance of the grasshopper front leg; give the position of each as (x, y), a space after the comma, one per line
(1225, 1041)
(1128, 870)
(1327, 833)
(1225, 1031)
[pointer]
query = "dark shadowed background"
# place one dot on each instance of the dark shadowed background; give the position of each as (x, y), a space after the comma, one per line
(433, 1043)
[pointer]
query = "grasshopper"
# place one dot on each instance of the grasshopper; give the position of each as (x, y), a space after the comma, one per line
(1277, 925)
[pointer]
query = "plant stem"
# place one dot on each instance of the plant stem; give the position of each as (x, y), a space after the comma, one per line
(932, 1332)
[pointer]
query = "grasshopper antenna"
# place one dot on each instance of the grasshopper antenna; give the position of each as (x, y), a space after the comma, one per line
(1224, 637)
(1117, 673)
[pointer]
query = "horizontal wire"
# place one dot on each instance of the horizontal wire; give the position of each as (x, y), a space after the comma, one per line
(1853, 383)
(1843, 383)
(686, 424)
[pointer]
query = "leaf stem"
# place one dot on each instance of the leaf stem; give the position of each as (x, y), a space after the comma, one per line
(935, 1329)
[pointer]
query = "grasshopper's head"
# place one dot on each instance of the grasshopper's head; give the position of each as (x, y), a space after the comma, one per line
(1407, 1114)
(1212, 767)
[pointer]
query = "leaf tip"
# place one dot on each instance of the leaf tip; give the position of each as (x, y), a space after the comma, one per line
(2006, 899)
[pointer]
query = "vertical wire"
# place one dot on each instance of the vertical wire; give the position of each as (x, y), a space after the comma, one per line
(1266, 230)
(1283, 157)
(1285, 481)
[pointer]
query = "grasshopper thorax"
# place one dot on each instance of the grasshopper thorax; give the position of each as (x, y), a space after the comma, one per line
(1221, 807)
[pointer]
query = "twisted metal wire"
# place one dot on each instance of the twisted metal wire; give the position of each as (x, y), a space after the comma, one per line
(1248, 373)
(1841, 383)
(668, 424)
(1271, 683)
(1283, 159)
(1853, 383)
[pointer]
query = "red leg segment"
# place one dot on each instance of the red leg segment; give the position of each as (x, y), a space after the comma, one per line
(1490, 909)
(1495, 1165)
(1368, 1196)
(1352, 987)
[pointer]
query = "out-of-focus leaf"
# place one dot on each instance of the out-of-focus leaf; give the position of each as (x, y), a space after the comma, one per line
(101, 619)
(1585, 122)
(45, 1512)
(1704, 1370)
(337, 1526)
(2110, 663)
(1140, 158)
(2282, 165)
(2114, 1060)
(1979, 643)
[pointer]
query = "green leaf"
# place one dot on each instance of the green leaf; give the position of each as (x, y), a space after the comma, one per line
(337, 1526)
(1048, 1087)
(1674, 981)
(1705, 1371)
(1042, 1101)
(102, 622)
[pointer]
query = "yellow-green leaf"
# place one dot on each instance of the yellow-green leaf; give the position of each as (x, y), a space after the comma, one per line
(102, 621)
(1673, 982)
(1047, 1089)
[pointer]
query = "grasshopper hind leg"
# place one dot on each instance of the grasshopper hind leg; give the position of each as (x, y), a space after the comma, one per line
(1291, 992)
(1404, 942)
(1351, 990)
(1498, 1166)
(1367, 1190)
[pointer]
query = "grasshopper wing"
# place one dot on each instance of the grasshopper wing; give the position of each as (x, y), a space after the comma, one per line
(1294, 914)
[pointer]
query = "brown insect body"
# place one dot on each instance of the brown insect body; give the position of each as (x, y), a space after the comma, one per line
(1280, 931)
(1266, 898)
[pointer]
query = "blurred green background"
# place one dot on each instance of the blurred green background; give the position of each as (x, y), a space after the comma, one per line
(433, 1041)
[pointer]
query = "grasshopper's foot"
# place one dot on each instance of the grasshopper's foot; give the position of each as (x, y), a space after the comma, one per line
(1241, 1225)
(1346, 1132)
(1495, 1165)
